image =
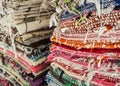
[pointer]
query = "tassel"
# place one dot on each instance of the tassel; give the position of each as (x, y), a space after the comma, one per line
(118, 84)
(1, 8)
(108, 66)
(59, 10)
(44, 4)
(80, 80)
(86, 35)
(97, 4)
(108, 10)
(90, 77)
(53, 20)
(100, 59)
(81, 2)
(90, 64)
(101, 31)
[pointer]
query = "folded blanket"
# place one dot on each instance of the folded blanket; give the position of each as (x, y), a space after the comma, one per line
(34, 49)
(12, 78)
(93, 80)
(86, 64)
(27, 16)
(71, 53)
(24, 41)
(89, 44)
(94, 35)
(86, 43)
(64, 78)
(52, 81)
(93, 50)
(34, 55)
(89, 6)
(93, 22)
(34, 69)
(38, 33)
(21, 73)
(27, 27)
(34, 41)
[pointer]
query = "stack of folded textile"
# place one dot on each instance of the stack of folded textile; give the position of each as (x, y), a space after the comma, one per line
(24, 41)
(86, 43)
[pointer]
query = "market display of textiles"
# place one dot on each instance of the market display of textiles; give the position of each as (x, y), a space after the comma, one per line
(86, 43)
(24, 42)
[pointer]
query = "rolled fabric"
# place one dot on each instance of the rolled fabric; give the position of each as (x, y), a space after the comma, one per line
(23, 28)
(38, 33)
(32, 41)
(27, 16)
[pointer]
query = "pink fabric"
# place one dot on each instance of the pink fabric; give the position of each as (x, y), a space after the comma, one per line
(34, 69)
(68, 53)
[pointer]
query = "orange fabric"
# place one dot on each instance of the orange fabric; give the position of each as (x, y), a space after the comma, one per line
(81, 44)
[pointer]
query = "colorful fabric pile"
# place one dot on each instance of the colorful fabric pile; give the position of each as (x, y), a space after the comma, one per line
(24, 42)
(86, 43)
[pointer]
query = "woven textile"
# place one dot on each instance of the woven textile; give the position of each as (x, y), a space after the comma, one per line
(24, 41)
(86, 44)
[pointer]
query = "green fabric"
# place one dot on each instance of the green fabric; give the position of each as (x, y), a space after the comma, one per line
(27, 84)
(54, 5)
(67, 1)
(69, 80)
(69, 84)
(81, 17)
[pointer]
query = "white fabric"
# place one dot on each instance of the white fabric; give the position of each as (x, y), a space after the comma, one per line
(31, 26)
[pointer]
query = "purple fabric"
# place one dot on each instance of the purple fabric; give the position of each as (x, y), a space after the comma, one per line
(37, 82)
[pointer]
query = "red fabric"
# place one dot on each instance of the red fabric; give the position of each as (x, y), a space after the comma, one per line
(4, 82)
(34, 69)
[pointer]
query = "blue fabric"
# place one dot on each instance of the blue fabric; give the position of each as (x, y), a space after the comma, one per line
(51, 80)
(117, 2)
(38, 56)
(88, 7)
(66, 15)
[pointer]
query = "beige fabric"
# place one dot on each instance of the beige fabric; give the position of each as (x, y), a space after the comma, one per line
(36, 34)
(31, 26)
